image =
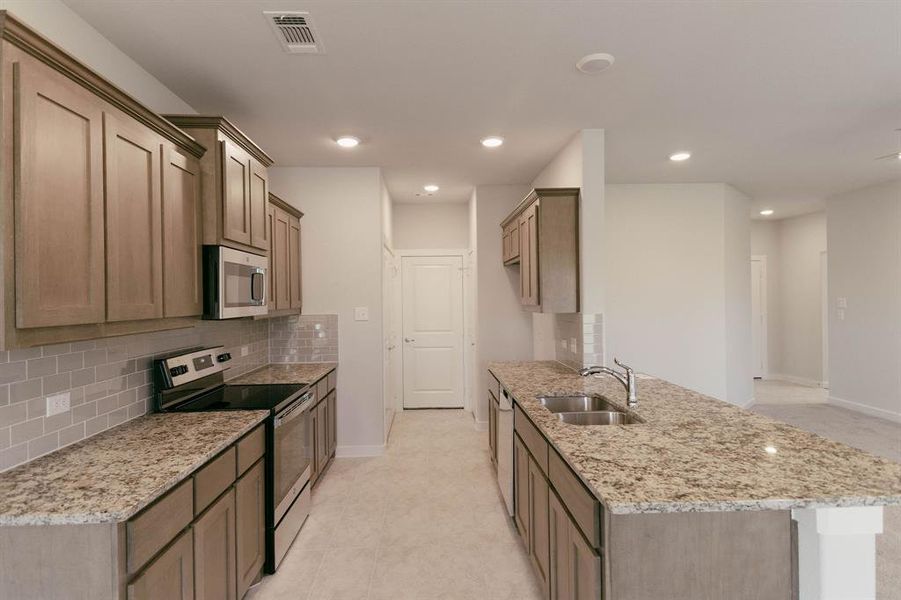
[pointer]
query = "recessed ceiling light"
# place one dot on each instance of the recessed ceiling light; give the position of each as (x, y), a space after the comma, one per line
(595, 63)
(680, 156)
(492, 141)
(431, 188)
(767, 212)
(348, 141)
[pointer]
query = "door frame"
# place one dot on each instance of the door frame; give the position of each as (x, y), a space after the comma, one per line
(764, 343)
(468, 317)
(824, 316)
(390, 275)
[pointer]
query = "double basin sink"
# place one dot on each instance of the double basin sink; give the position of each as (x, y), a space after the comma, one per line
(587, 410)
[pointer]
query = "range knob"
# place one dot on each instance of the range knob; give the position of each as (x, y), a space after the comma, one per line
(179, 370)
(225, 356)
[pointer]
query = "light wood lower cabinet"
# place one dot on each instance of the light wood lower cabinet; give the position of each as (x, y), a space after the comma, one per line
(539, 544)
(324, 426)
(521, 489)
(250, 505)
(134, 238)
(214, 551)
(170, 576)
(574, 567)
(492, 428)
(332, 423)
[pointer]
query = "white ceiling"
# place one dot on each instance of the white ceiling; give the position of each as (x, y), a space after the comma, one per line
(789, 101)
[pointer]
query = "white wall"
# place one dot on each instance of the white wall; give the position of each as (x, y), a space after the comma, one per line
(431, 226)
(671, 308)
(61, 25)
(342, 269)
(864, 245)
(793, 248)
(504, 329)
(387, 217)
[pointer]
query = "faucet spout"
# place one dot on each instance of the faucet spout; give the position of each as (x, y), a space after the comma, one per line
(627, 379)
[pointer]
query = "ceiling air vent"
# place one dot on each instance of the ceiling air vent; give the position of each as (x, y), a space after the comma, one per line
(295, 32)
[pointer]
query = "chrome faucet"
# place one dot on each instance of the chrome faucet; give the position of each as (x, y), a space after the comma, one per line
(627, 378)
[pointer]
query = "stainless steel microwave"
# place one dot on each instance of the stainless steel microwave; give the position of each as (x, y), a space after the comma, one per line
(234, 283)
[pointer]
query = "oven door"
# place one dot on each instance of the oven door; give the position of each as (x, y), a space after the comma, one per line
(235, 283)
(292, 444)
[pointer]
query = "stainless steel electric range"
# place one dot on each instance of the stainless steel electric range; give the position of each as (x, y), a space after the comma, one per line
(193, 381)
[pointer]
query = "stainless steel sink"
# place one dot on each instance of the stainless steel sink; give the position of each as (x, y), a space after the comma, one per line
(575, 404)
(598, 417)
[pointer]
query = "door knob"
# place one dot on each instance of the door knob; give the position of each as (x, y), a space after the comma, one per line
(408, 340)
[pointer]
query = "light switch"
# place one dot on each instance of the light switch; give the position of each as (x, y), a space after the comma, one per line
(361, 313)
(58, 403)
(841, 302)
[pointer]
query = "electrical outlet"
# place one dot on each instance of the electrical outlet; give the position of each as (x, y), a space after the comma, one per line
(58, 403)
(245, 350)
(361, 313)
(841, 302)
(841, 314)
(572, 344)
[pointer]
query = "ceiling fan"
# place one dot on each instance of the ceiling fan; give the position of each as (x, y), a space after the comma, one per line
(897, 153)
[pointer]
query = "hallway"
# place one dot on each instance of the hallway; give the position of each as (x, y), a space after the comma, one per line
(424, 521)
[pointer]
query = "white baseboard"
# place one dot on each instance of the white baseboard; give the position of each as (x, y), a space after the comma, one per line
(746, 403)
(797, 380)
(480, 425)
(359, 451)
(873, 411)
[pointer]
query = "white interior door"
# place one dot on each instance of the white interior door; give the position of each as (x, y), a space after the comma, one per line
(758, 316)
(433, 331)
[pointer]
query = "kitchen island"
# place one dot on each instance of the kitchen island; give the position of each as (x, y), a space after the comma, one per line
(701, 476)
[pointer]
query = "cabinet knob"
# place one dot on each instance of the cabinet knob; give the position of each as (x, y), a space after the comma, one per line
(408, 340)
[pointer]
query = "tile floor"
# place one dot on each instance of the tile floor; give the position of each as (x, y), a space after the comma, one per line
(422, 522)
(771, 391)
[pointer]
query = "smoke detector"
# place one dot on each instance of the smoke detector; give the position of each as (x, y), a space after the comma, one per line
(295, 31)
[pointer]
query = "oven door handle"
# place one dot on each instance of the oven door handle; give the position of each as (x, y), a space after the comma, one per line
(295, 410)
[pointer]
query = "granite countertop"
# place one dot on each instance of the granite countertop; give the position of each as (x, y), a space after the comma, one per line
(286, 373)
(110, 477)
(696, 453)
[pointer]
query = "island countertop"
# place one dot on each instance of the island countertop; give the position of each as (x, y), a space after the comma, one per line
(110, 477)
(286, 373)
(696, 453)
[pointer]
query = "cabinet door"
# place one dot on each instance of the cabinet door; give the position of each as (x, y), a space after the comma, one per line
(514, 242)
(294, 263)
(281, 277)
(333, 421)
(528, 260)
(170, 576)
(182, 236)
(314, 454)
(236, 224)
(539, 542)
(558, 566)
(59, 215)
(270, 226)
(259, 201)
(505, 244)
(214, 551)
(521, 488)
(585, 569)
(134, 238)
(250, 529)
(492, 428)
(322, 434)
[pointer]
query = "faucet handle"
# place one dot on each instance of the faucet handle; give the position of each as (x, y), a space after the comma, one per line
(628, 369)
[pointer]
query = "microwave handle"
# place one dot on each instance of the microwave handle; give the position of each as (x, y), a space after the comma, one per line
(256, 286)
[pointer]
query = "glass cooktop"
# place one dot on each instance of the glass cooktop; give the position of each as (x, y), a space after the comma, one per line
(243, 397)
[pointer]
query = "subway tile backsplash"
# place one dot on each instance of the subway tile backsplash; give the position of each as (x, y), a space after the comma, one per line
(579, 339)
(108, 381)
(303, 338)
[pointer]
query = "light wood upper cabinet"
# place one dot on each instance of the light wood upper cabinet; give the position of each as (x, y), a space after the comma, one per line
(214, 551)
(270, 226)
(134, 254)
(59, 225)
(541, 238)
(182, 236)
(235, 193)
(294, 282)
(235, 184)
(285, 273)
(250, 503)
(259, 204)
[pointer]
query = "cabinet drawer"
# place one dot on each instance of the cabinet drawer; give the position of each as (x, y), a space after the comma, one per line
(251, 447)
(213, 479)
(157, 525)
(581, 504)
(169, 577)
(332, 380)
(531, 437)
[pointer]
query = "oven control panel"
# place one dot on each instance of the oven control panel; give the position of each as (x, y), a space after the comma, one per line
(191, 365)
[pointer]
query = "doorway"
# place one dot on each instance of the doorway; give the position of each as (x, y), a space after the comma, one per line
(432, 331)
(758, 317)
